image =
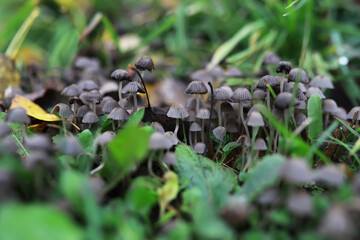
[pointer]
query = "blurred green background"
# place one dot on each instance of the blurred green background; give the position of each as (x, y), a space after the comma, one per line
(182, 36)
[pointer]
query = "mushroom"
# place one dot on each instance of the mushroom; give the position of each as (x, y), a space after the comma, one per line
(4, 129)
(254, 120)
(263, 84)
(199, 148)
(283, 67)
(69, 145)
(203, 114)
(133, 88)
(220, 95)
(196, 87)
(314, 90)
(354, 113)
(296, 171)
(300, 204)
(177, 111)
(329, 106)
(240, 95)
(194, 128)
(121, 76)
(321, 82)
(109, 106)
(64, 112)
(219, 133)
(157, 127)
(90, 118)
(297, 72)
(118, 114)
(88, 85)
(18, 115)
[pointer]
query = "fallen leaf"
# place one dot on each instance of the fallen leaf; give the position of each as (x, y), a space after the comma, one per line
(33, 109)
(9, 76)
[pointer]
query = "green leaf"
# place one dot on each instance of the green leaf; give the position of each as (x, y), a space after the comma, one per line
(230, 146)
(214, 181)
(36, 222)
(128, 149)
(135, 119)
(230, 44)
(262, 176)
(315, 127)
(86, 140)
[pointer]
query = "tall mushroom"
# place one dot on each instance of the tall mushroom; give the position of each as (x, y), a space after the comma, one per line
(240, 95)
(196, 87)
(133, 88)
(283, 67)
(177, 111)
(120, 75)
(203, 114)
(221, 95)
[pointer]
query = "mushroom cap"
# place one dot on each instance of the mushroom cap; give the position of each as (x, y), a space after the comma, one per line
(17, 115)
(129, 102)
(159, 141)
(191, 117)
(283, 100)
(69, 145)
(203, 113)
(233, 72)
(158, 127)
(88, 85)
(337, 224)
(90, 97)
(202, 75)
(321, 82)
(4, 129)
(177, 111)
(269, 197)
(108, 87)
(259, 94)
(191, 103)
(172, 137)
(300, 105)
(199, 147)
(271, 58)
(352, 112)
(105, 138)
(314, 90)
(302, 75)
(255, 119)
(132, 88)
(267, 79)
(221, 94)
(283, 66)
(8, 145)
(144, 63)
(72, 90)
(289, 86)
(340, 113)
(109, 106)
(296, 171)
(196, 87)
(120, 75)
(228, 89)
(64, 110)
(300, 96)
(329, 106)
(219, 132)
(195, 127)
(119, 114)
(300, 204)
(260, 145)
(90, 117)
(169, 158)
(231, 127)
(82, 110)
(330, 175)
(38, 142)
(241, 94)
(300, 118)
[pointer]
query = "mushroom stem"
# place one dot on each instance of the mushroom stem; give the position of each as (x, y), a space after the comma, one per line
(113, 124)
(94, 107)
(120, 95)
(176, 127)
(243, 119)
(217, 150)
(202, 130)
(190, 139)
(197, 99)
(184, 133)
(253, 137)
(195, 140)
(135, 104)
(146, 92)
(282, 82)
(219, 113)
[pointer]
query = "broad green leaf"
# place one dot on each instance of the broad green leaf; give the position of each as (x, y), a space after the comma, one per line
(262, 176)
(314, 109)
(135, 119)
(36, 222)
(214, 181)
(230, 44)
(86, 140)
(230, 146)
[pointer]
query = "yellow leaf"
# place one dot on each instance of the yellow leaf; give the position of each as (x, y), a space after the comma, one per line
(9, 76)
(33, 109)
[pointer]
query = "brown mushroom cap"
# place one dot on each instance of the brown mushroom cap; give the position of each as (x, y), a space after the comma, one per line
(120, 75)
(240, 95)
(90, 117)
(267, 79)
(219, 133)
(132, 88)
(302, 75)
(88, 85)
(283, 66)
(255, 119)
(144, 63)
(109, 106)
(221, 94)
(177, 111)
(63, 110)
(72, 90)
(4, 129)
(119, 114)
(259, 94)
(196, 87)
(82, 110)
(17, 115)
(260, 145)
(300, 118)
(244, 140)
(321, 82)
(314, 90)
(105, 138)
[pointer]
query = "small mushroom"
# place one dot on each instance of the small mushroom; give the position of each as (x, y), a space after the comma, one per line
(90, 118)
(199, 148)
(194, 128)
(196, 87)
(203, 114)
(221, 95)
(118, 114)
(219, 133)
(121, 76)
(133, 88)
(177, 111)
(297, 72)
(283, 67)
(321, 82)
(240, 96)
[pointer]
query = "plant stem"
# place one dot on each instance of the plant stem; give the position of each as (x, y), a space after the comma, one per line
(146, 92)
